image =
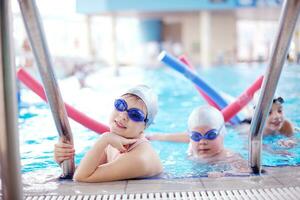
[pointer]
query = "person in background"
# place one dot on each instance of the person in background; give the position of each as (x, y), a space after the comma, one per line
(27, 54)
(123, 152)
(277, 123)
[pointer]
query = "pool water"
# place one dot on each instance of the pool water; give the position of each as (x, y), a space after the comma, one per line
(177, 98)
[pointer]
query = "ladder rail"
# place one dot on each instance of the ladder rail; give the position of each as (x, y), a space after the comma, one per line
(9, 136)
(288, 19)
(35, 32)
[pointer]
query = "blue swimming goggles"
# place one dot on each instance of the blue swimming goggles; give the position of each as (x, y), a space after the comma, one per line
(134, 114)
(209, 135)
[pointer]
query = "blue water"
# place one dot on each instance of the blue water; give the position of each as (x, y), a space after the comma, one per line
(177, 98)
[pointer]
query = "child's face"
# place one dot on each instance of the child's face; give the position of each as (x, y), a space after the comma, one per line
(122, 125)
(275, 119)
(206, 148)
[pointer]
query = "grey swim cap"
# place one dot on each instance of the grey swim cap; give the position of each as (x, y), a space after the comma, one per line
(149, 98)
(206, 116)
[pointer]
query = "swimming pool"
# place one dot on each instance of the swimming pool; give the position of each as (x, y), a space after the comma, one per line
(177, 98)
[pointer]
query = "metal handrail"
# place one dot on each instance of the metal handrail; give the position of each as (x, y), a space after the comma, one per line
(38, 42)
(9, 137)
(288, 19)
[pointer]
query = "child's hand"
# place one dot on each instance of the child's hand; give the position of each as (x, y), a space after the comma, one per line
(117, 141)
(63, 151)
(287, 143)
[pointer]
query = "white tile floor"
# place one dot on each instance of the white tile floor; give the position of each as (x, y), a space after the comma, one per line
(274, 178)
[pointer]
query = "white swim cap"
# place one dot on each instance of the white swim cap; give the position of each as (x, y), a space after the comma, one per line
(149, 98)
(206, 116)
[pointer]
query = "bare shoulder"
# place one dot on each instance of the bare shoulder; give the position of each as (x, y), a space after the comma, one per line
(144, 149)
(237, 162)
(146, 157)
(287, 128)
(232, 156)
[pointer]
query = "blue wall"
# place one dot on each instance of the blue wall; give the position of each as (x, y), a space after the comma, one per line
(99, 6)
(151, 30)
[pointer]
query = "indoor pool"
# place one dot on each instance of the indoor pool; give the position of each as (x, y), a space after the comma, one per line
(177, 98)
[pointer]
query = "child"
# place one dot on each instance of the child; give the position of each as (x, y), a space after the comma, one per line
(124, 152)
(276, 123)
(206, 129)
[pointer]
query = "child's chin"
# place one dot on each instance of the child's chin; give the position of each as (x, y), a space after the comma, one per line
(276, 128)
(117, 131)
(203, 155)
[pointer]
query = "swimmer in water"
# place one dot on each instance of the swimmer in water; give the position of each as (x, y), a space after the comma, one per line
(205, 135)
(123, 152)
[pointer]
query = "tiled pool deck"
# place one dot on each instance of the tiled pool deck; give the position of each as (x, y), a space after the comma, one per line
(279, 177)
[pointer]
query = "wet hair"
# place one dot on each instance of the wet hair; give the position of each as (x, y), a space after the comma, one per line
(278, 100)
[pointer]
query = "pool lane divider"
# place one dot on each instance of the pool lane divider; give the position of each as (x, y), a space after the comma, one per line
(72, 112)
(177, 65)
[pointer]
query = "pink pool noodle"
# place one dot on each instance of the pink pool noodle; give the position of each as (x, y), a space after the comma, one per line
(76, 115)
(209, 100)
(233, 108)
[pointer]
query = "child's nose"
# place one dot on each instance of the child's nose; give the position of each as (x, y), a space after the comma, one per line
(123, 115)
(277, 115)
(202, 142)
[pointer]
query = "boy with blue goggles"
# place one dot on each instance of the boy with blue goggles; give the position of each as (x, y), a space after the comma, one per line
(207, 129)
(205, 136)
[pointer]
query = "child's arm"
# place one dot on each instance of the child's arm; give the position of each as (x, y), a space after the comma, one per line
(238, 167)
(142, 161)
(171, 137)
(96, 156)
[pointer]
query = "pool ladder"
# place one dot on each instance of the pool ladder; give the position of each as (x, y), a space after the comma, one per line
(288, 19)
(10, 158)
(10, 165)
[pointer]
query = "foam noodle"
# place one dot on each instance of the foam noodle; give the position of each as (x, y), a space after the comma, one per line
(76, 115)
(233, 108)
(209, 100)
(242, 100)
(180, 67)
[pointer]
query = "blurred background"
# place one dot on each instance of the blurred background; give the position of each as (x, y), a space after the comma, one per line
(86, 35)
